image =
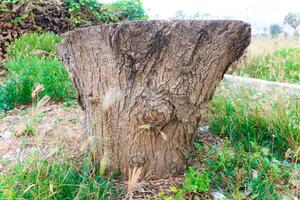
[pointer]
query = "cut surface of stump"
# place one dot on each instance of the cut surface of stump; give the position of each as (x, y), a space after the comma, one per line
(143, 86)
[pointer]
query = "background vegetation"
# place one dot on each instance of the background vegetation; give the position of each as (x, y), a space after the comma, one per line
(32, 62)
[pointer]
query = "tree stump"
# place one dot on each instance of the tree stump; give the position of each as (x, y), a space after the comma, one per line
(143, 86)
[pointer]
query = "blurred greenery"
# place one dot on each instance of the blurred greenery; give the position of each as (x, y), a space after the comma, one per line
(282, 65)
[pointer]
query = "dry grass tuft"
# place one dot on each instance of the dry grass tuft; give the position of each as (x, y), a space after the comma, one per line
(132, 183)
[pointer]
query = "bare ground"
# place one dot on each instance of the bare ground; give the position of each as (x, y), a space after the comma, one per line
(58, 127)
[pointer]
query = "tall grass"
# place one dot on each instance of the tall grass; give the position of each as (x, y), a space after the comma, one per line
(274, 59)
(247, 117)
(283, 65)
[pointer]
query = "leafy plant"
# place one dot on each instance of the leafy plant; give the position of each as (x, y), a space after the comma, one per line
(121, 10)
(195, 181)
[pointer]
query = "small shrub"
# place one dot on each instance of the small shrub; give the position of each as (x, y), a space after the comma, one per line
(195, 181)
(121, 10)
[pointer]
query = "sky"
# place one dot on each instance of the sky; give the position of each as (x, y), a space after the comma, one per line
(259, 13)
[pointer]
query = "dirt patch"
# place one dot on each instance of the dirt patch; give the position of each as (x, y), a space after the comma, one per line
(58, 127)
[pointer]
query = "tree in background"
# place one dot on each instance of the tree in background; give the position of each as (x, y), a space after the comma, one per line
(293, 20)
(275, 30)
(180, 15)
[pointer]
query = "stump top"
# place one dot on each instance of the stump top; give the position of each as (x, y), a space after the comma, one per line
(190, 23)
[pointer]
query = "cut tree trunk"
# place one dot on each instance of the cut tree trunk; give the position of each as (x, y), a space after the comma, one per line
(143, 86)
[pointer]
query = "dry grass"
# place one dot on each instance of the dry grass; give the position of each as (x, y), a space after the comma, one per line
(262, 45)
(133, 180)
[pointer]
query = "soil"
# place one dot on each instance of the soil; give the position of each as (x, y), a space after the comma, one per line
(58, 126)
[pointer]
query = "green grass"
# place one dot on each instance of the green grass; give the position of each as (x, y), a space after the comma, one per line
(29, 44)
(264, 144)
(242, 174)
(26, 69)
(237, 174)
(245, 117)
(282, 65)
(56, 178)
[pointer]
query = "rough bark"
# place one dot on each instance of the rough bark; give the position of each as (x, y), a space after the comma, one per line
(158, 76)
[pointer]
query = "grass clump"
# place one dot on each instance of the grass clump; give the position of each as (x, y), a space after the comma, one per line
(33, 61)
(57, 178)
(246, 118)
(282, 65)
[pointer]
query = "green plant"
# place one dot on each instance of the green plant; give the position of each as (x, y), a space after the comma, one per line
(246, 117)
(29, 129)
(121, 10)
(26, 72)
(247, 174)
(194, 182)
(2, 115)
(282, 65)
(34, 44)
(26, 69)
(260, 158)
(126, 10)
(55, 178)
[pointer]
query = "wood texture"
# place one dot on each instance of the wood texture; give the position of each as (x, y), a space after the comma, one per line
(143, 86)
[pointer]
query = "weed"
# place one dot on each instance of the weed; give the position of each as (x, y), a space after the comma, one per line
(194, 182)
(29, 129)
(2, 115)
